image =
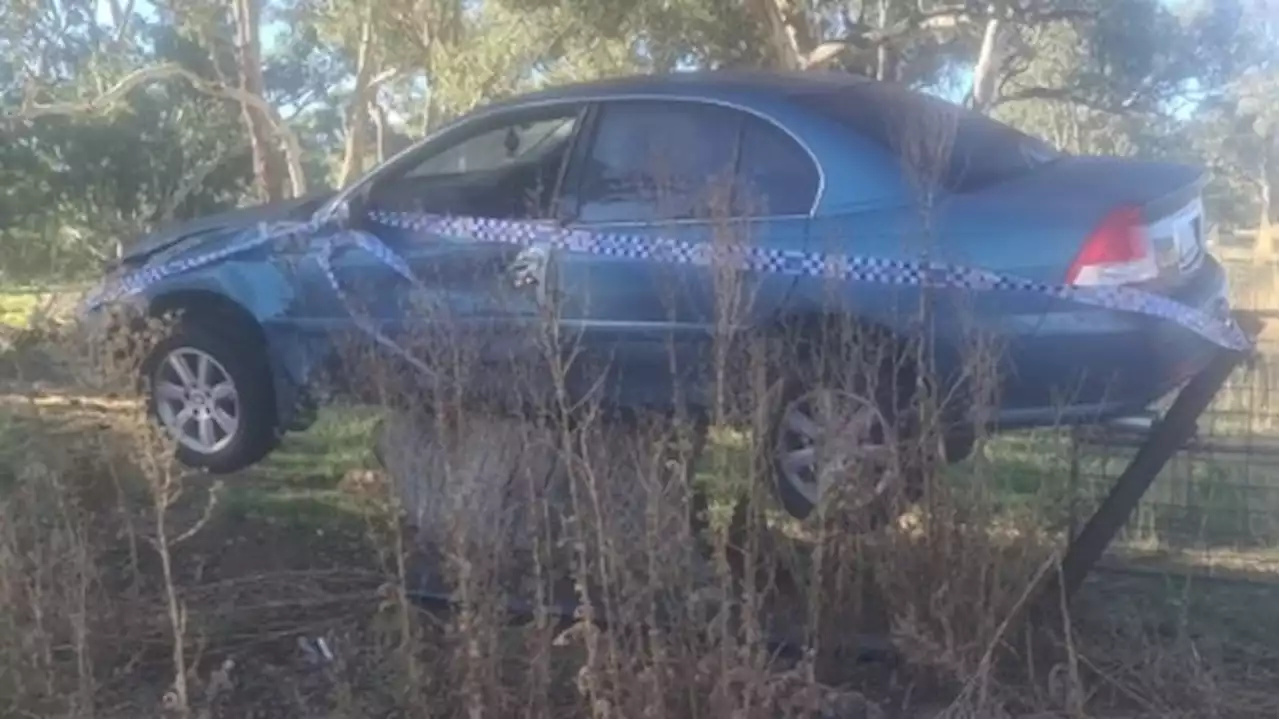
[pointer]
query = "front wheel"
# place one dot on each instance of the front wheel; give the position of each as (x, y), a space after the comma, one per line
(213, 396)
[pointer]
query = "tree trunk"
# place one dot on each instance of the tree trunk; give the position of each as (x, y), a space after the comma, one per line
(379, 118)
(357, 120)
(1270, 188)
(268, 166)
(1265, 245)
(783, 52)
(883, 59)
(986, 68)
(1269, 202)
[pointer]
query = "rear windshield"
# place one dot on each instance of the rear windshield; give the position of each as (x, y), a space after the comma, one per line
(980, 153)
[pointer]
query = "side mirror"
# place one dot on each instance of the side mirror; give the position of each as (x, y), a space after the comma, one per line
(346, 214)
(355, 210)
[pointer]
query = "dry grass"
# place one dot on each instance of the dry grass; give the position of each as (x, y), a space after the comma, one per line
(131, 588)
(654, 572)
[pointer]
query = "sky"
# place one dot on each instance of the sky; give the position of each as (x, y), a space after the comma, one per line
(273, 31)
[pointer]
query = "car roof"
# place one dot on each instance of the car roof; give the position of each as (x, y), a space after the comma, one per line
(706, 83)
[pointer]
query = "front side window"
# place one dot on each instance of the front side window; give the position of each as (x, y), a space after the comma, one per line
(658, 160)
(506, 168)
(500, 147)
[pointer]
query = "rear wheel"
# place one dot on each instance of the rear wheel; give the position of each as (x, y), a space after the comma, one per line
(827, 440)
(213, 396)
(840, 432)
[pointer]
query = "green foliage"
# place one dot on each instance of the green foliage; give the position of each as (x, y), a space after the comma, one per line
(1193, 80)
(76, 184)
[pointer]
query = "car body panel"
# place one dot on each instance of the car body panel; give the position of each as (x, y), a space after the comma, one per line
(1091, 363)
(643, 328)
(638, 315)
(223, 224)
(654, 323)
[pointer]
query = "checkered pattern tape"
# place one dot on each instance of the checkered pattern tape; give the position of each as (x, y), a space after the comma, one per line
(384, 254)
(1221, 331)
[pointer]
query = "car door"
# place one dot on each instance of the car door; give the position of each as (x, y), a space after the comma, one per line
(474, 298)
(666, 184)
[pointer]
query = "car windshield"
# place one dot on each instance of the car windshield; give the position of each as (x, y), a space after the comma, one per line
(980, 153)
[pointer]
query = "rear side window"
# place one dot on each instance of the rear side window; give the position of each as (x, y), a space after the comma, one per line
(961, 150)
(775, 174)
(654, 160)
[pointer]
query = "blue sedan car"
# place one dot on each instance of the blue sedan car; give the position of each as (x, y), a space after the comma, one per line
(792, 166)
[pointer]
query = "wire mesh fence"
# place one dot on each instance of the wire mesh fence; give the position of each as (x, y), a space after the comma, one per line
(1214, 507)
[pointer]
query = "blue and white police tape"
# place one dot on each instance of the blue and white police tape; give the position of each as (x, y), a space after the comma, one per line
(384, 254)
(1220, 330)
(264, 234)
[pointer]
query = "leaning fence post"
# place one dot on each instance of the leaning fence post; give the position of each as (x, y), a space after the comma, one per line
(1169, 434)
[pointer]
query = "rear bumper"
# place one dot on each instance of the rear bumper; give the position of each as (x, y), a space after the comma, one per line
(1095, 365)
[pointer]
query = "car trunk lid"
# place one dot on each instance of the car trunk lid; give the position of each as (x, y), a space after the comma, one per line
(1137, 223)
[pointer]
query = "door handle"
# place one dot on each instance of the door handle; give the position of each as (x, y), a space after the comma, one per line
(529, 268)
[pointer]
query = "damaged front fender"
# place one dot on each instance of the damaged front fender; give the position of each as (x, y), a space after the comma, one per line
(254, 294)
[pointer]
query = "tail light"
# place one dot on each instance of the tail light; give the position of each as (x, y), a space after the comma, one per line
(1117, 253)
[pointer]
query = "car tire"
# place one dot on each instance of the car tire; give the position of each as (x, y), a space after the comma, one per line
(217, 392)
(809, 380)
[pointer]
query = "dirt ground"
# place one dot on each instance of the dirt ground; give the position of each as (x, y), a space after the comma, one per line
(294, 551)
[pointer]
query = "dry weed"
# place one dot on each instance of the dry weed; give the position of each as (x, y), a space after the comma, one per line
(651, 569)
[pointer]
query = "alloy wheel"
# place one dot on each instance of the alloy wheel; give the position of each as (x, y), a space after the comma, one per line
(830, 439)
(196, 400)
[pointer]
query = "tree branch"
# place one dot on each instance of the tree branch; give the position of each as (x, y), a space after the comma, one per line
(157, 73)
(122, 16)
(387, 75)
(863, 37)
(300, 104)
(1125, 106)
(101, 103)
(194, 179)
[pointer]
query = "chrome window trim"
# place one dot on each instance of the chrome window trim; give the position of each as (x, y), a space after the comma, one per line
(516, 106)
